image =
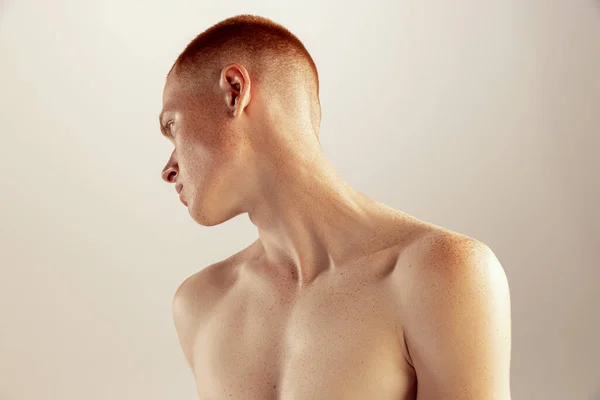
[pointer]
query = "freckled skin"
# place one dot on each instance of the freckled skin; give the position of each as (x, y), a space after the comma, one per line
(313, 308)
(259, 336)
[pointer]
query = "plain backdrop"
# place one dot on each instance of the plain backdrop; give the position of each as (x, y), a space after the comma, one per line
(479, 116)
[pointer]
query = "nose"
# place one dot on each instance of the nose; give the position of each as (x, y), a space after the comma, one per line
(171, 170)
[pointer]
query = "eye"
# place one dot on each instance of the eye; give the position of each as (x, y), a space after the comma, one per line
(168, 128)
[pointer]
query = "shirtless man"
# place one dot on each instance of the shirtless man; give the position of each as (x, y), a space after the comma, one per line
(341, 296)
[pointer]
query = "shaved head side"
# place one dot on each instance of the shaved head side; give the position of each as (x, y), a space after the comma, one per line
(274, 57)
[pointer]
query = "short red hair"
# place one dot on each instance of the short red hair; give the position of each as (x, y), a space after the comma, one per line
(264, 47)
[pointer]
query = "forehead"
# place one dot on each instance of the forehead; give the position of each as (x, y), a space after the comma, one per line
(171, 89)
(172, 96)
(178, 89)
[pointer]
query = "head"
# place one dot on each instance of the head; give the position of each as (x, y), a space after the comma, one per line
(238, 92)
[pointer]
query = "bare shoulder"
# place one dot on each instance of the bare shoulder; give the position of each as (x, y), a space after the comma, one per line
(443, 248)
(200, 289)
(197, 295)
(197, 291)
(433, 241)
(439, 256)
(454, 308)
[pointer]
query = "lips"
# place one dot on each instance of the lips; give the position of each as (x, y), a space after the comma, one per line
(179, 188)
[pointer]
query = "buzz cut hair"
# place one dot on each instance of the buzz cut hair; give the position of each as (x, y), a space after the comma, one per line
(266, 48)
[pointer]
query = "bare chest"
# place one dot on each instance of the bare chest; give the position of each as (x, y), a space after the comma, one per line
(338, 340)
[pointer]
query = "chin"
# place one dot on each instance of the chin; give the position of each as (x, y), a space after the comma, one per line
(205, 221)
(203, 216)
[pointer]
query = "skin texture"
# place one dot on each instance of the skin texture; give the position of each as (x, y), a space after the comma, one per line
(341, 296)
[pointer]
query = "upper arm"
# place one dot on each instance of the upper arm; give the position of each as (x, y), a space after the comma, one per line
(191, 304)
(184, 318)
(457, 324)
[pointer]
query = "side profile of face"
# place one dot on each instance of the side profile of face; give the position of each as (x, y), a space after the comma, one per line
(205, 124)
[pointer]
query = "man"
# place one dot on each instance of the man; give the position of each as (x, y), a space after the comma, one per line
(340, 297)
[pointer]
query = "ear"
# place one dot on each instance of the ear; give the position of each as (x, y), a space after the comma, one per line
(235, 84)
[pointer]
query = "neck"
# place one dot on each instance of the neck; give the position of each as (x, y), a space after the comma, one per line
(309, 220)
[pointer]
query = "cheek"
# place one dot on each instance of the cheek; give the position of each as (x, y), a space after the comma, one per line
(200, 156)
(195, 161)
